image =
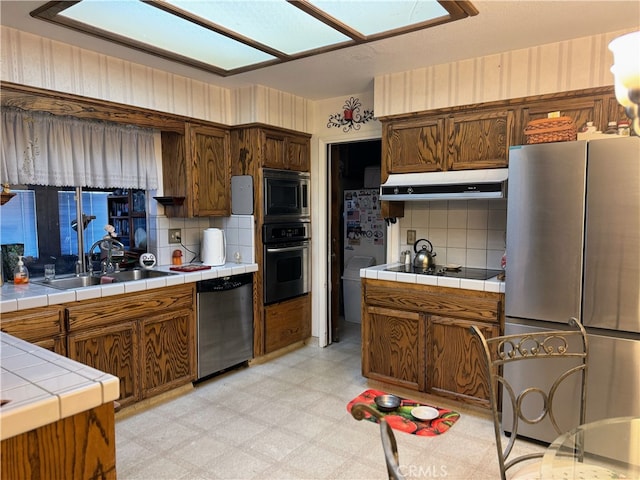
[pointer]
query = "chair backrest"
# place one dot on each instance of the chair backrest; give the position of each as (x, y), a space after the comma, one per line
(389, 445)
(532, 347)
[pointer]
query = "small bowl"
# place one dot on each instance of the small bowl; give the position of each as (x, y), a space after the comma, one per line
(425, 413)
(387, 403)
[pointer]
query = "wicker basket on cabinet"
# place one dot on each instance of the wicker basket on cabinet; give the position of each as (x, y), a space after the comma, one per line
(545, 130)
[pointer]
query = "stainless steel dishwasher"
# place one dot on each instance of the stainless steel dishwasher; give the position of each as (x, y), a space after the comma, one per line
(225, 323)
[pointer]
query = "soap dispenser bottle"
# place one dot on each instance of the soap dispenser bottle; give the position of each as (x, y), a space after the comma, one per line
(21, 272)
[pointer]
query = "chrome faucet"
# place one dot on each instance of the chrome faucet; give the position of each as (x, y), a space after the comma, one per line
(114, 249)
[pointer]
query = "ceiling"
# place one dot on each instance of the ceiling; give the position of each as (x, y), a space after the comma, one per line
(500, 26)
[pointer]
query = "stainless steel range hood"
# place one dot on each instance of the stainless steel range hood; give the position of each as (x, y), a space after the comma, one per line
(456, 185)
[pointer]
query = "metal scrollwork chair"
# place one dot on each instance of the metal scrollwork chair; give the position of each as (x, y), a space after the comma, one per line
(532, 347)
(389, 445)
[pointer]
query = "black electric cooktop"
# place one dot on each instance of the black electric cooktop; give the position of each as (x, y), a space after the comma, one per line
(442, 271)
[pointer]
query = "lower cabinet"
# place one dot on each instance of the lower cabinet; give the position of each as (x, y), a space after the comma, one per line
(455, 365)
(393, 347)
(42, 326)
(168, 357)
(287, 322)
(80, 447)
(146, 339)
(112, 349)
(418, 337)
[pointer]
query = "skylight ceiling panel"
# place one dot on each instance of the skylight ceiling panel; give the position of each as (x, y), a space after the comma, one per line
(275, 23)
(161, 30)
(374, 17)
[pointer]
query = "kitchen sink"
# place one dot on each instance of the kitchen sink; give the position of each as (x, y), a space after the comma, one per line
(128, 275)
(67, 283)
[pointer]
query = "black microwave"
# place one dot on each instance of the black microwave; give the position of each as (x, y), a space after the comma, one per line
(286, 195)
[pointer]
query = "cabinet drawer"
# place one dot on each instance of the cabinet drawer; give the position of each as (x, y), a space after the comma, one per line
(33, 324)
(106, 311)
(454, 302)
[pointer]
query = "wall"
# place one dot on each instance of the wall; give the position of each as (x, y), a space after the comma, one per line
(556, 67)
(28, 59)
(463, 232)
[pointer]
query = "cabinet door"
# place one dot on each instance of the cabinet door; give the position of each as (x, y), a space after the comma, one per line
(455, 365)
(581, 110)
(287, 322)
(169, 351)
(210, 171)
(393, 347)
(298, 153)
(479, 140)
(113, 349)
(413, 145)
(274, 150)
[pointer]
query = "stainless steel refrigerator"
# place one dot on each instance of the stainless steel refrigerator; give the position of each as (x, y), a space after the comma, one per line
(573, 249)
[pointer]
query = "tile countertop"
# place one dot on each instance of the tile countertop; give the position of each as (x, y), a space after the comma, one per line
(378, 272)
(42, 387)
(20, 297)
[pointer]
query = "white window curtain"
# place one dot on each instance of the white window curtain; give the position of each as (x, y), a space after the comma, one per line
(42, 149)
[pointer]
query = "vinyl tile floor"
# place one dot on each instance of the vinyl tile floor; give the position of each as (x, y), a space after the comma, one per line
(287, 419)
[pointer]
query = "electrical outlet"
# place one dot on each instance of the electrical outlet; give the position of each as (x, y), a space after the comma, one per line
(411, 237)
(175, 235)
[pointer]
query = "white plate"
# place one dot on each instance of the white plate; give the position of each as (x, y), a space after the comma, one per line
(452, 266)
(425, 413)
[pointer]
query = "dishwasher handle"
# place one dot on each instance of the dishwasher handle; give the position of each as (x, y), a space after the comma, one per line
(222, 284)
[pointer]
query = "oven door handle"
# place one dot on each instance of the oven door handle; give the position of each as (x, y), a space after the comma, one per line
(285, 249)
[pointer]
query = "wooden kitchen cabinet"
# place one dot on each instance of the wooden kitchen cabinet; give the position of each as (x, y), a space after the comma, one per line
(112, 349)
(253, 148)
(42, 326)
(441, 142)
(478, 140)
(168, 356)
(413, 145)
(455, 359)
(196, 166)
(286, 151)
(287, 322)
(146, 339)
(393, 347)
(418, 337)
(79, 447)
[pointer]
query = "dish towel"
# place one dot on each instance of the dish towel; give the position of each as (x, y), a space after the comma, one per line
(401, 418)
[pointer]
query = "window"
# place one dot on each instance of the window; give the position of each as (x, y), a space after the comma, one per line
(18, 222)
(42, 219)
(94, 204)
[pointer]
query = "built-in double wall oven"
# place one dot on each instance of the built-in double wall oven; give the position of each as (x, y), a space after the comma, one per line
(286, 235)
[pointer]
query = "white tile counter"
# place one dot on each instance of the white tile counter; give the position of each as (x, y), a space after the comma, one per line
(20, 297)
(42, 387)
(378, 272)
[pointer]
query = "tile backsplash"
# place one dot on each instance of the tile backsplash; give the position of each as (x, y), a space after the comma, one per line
(465, 232)
(239, 233)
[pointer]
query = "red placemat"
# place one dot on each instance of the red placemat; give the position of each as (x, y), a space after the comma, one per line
(401, 418)
(190, 268)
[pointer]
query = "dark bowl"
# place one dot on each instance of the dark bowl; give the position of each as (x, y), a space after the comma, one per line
(387, 403)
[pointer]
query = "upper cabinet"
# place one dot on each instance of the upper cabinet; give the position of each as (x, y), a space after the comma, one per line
(413, 145)
(286, 151)
(256, 146)
(196, 165)
(447, 141)
(479, 136)
(479, 140)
